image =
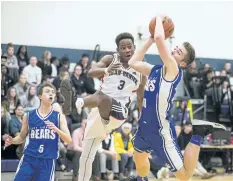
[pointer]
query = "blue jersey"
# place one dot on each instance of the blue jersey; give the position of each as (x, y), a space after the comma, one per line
(42, 142)
(157, 102)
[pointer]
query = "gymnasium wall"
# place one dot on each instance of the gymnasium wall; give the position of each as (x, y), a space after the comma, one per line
(82, 25)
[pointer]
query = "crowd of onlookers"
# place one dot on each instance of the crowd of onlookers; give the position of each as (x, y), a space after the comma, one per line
(21, 76)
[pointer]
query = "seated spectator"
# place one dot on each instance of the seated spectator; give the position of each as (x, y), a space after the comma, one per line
(193, 80)
(12, 62)
(183, 141)
(227, 68)
(107, 152)
(124, 148)
(64, 74)
(4, 129)
(22, 86)
(225, 93)
(78, 80)
(74, 151)
(64, 64)
(33, 73)
(181, 113)
(11, 100)
(84, 62)
(6, 81)
(22, 57)
(45, 63)
(31, 100)
(54, 66)
(15, 127)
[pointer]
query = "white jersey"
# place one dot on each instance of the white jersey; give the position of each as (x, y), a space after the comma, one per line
(121, 83)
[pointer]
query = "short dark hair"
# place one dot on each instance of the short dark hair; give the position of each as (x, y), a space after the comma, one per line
(46, 85)
(53, 59)
(85, 55)
(122, 36)
(190, 57)
(3, 57)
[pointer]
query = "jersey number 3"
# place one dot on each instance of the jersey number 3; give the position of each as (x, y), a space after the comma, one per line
(122, 84)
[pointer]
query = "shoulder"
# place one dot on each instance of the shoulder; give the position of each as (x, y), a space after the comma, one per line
(117, 135)
(107, 59)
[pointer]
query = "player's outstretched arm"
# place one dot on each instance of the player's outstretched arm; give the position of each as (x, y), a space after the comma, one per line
(169, 62)
(136, 60)
(63, 132)
(20, 138)
(104, 66)
(140, 93)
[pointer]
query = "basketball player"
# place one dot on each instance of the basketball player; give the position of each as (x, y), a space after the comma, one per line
(110, 103)
(156, 133)
(43, 128)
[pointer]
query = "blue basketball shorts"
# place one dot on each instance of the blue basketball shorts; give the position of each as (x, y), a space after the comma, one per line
(36, 169)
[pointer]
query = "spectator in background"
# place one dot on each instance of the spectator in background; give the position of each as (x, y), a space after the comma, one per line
(54, 66)
(11, 101)
(124, 148)
(15, 127)
(30, 101)
(97, 81)
(225, 93)
(22, 86)
(22, 57)
(6, 81)
(32, 72)
(181, 114)
(84, 62)
(12, 62)
(227, 68)
(4, 129)
(193, 80)
(45, 63)
(78, 80)
(3, 60)
(107, 152)
(64, 74)
(75, 150)
(64, 64)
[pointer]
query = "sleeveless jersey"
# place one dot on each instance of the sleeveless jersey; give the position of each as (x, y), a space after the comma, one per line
(42, 142)
(121, 83)
(157, 102)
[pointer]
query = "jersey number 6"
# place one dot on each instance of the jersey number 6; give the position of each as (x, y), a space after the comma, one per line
(122, 84)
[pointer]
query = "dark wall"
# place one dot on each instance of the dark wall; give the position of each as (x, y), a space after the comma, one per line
(75, 55)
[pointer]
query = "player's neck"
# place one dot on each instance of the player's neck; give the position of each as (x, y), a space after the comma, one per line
(44, 109)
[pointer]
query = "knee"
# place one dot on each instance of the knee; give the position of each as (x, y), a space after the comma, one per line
(140, 157)
(124, 157)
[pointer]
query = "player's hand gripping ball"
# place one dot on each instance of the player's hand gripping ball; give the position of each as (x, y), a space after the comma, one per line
(168, 26)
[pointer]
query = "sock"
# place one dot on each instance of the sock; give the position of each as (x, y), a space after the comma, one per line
(196, 140)
(142, 178)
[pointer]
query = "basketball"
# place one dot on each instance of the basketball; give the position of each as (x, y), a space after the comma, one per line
(168, 26)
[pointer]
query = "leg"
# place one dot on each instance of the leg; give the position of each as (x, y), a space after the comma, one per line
(96, 166)
(25, 170)
(103, 160)
(142, 163)
(88, 155)
(115, 165)
(75, 162)
(98, 99)
(46, 170)
(124, 160)
(191, 154)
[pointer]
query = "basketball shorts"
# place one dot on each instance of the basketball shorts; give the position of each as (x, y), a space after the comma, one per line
(98, 127)
(164, 148)
(36, 169)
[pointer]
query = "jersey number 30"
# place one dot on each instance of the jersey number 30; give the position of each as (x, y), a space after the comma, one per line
(122, 84)
(41, 149)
